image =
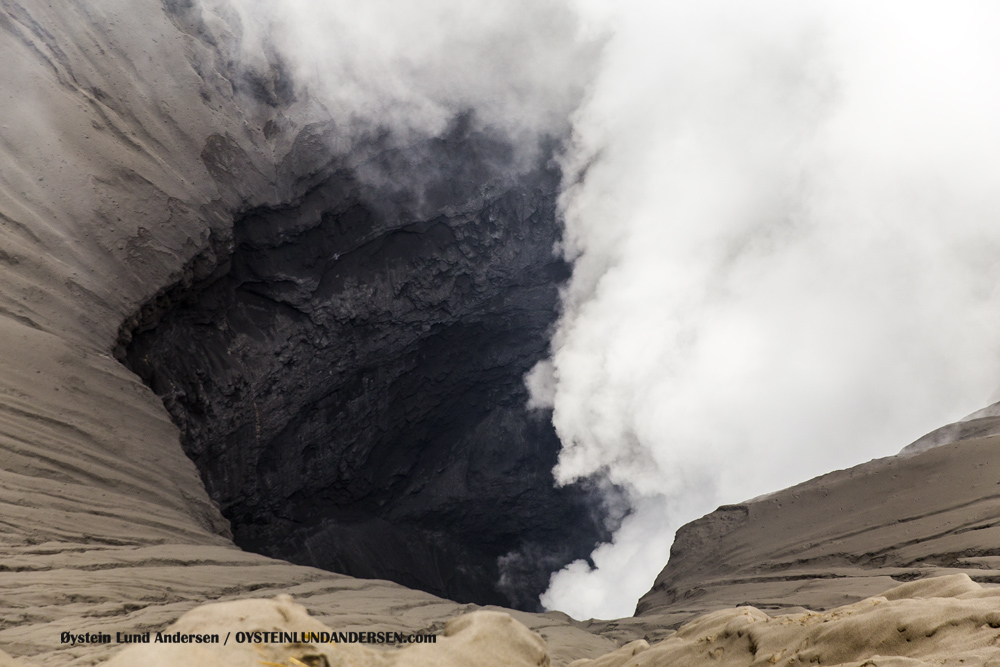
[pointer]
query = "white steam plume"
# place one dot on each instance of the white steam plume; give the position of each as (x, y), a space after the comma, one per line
(785, 222)
(781, 216)
(410, 67)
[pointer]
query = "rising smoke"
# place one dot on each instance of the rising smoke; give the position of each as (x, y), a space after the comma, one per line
(410, 68)
(783, 218)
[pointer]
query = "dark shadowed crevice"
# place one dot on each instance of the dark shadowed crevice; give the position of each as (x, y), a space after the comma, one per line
(349, 383)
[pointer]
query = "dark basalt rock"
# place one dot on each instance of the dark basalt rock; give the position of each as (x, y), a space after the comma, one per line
(348, 379)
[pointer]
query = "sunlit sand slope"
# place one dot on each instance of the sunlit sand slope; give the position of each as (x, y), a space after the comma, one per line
(941, 621)
(841, 537)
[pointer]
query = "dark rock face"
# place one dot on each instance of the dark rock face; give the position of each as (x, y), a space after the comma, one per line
(349, 378)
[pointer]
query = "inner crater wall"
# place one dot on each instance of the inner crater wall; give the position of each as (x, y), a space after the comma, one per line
(348, 378)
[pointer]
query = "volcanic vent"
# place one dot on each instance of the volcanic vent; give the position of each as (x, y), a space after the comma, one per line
(347, 372)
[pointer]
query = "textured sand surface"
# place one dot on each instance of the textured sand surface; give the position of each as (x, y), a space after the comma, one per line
(480, 638)
(841, 537)
(947, 620)
(942, 621)
(979, 424)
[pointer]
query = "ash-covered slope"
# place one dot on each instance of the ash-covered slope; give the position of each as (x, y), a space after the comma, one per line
(841, 537)
(944, 620)
(939, 621)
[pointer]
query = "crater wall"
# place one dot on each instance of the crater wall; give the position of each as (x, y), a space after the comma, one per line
(127, 146)
(349, 378)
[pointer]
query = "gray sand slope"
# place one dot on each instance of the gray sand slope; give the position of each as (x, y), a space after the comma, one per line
(841, 537)
(947, 620)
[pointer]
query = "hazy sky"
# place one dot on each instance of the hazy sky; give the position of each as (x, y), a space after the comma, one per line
(781, 217)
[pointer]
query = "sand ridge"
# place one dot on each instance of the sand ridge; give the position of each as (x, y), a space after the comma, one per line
(948, 620)
(841, 537)
(480, 638)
